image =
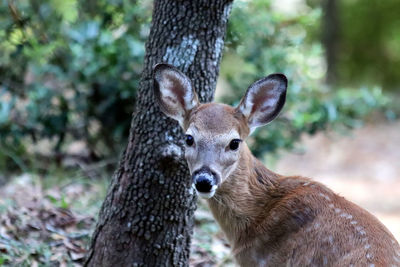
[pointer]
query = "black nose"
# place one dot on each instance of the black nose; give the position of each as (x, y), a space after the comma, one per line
(203, 184)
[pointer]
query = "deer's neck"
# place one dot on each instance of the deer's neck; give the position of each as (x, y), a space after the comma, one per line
(244, 199)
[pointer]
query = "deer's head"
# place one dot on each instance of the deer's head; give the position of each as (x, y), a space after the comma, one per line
(215, 132)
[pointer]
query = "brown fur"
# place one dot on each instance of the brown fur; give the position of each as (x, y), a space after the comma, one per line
(273, 220)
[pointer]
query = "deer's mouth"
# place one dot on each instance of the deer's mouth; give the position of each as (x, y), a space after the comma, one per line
(208, 194)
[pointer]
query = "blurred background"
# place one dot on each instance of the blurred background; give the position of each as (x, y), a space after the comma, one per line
(70, 69)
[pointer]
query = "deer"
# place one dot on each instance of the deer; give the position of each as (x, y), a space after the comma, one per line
(268, 219)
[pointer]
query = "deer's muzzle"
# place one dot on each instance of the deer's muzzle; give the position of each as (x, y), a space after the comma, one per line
(205, 182)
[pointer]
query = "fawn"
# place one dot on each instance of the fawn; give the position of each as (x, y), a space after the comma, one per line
(268, 219)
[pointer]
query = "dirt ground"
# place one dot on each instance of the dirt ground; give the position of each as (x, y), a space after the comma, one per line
(364, 167)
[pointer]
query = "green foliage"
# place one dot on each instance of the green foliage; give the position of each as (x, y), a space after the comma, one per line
(261, 41)
(60, 203)
(369, 42)
(2, 259)
(69, 71)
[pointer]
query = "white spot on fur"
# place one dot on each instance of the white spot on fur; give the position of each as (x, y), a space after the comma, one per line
(306, 183)
(371, 265)
(331, 206)
(275, 217)
(337, 210)
(369, 256)
(206, 195)
(325, 196)
(330, 238)
(396, 259)
(353, 222)
(367, 246)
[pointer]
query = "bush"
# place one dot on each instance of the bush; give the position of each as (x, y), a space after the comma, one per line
(69, 71)
(64, 77)
(261, 40)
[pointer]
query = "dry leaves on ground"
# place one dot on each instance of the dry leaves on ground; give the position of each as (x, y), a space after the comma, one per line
(37, 226)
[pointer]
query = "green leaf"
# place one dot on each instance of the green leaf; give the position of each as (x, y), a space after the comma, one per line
(67, 9)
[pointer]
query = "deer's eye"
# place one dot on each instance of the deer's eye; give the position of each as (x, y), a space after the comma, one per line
(189, 140)
(234, 144)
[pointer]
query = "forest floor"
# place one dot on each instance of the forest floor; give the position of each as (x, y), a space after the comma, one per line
(47, 220)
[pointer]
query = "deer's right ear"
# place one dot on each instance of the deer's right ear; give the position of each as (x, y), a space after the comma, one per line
(174, 92)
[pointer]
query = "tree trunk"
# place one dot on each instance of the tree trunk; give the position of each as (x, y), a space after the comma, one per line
(147, 216)
(330, 35)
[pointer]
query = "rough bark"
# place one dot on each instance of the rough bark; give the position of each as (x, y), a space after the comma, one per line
(330, 38)
(147, 216)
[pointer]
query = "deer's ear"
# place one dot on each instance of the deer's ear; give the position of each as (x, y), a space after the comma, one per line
(174, 92)
(263, 100)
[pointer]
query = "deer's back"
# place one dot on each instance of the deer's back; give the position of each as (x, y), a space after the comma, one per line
(312, 226)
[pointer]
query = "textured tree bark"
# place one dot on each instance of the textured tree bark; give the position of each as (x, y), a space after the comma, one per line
(147, 216)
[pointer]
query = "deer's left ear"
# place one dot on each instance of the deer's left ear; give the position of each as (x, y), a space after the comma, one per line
(174, 92)
(263, 100)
